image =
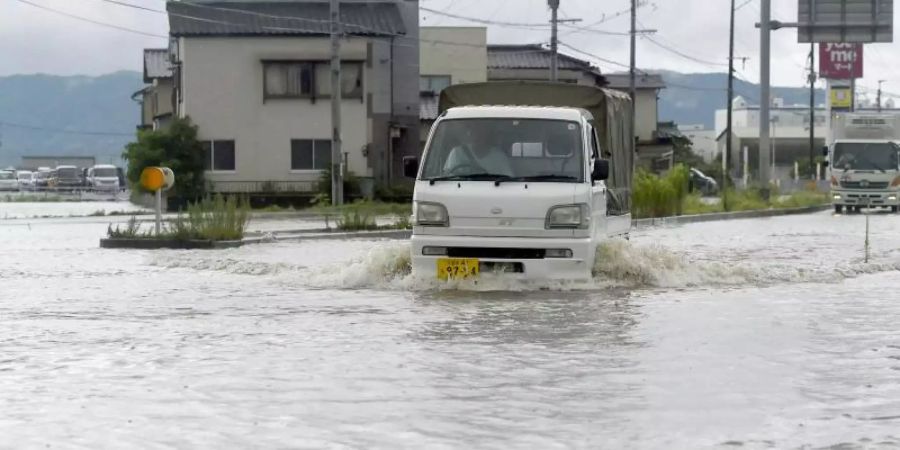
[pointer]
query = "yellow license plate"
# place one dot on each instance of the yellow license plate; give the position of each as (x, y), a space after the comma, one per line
(456, 268)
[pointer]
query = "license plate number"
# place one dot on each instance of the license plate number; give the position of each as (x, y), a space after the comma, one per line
(457, 269)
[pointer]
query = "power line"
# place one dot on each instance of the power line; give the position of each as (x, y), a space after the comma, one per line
(63, 131)
(95, 22)
(484, 21)
(681, 54)
(599, 58)
(129, 5)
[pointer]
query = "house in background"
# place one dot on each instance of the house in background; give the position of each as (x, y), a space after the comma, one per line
(532, 63)
(447, 56)
(654, 148)
(156, 99)
(255, 78)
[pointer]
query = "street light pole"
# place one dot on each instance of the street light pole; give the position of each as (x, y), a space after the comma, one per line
(337, 175)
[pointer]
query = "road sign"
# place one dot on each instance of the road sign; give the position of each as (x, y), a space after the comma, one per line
(845, 21)
(841, 98)
(840, 61)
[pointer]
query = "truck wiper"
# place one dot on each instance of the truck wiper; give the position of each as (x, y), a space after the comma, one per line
(539, 178)
(471, 176)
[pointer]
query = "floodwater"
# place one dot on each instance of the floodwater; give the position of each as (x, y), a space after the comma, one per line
(768, 333)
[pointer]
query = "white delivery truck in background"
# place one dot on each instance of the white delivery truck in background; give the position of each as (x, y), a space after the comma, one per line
(864, 161)
(522, 180)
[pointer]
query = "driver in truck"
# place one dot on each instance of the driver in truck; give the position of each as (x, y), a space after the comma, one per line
(481, 154)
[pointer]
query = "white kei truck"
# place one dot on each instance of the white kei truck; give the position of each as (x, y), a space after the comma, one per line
(521, 179)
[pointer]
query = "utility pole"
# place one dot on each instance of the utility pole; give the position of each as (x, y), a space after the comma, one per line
(633, 66)
(765, 28)
(728, 135)
(880, 82)
(554, 44)
(812, 111)
(554, 40)
(337, 166)
(631, 72)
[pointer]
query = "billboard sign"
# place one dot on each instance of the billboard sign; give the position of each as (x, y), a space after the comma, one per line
(845, 21)
(840, 61)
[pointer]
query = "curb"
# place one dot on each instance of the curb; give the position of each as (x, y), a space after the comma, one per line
(697, 218)
(156, 244)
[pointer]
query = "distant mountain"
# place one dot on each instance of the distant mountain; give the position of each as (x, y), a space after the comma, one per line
(35, 110)
(694, 98)
(50, 115)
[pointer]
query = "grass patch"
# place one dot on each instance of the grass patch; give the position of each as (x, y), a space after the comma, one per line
(37, 198)
(667, 196)
(212, 219)
(654, 196)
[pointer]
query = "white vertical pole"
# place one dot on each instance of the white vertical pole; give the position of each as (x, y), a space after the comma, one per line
(746, 166)
(158, 212)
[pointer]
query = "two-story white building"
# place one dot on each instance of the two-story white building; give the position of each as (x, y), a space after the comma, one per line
(255, 78)
(788, 131)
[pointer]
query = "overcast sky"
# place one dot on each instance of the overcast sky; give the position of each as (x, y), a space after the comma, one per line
(35, 40)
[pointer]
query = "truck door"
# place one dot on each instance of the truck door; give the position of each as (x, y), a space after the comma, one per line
(598, 188)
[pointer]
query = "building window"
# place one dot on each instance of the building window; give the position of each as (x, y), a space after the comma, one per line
(309, 79)
(433, 84)
(218, 155)
(310, 154)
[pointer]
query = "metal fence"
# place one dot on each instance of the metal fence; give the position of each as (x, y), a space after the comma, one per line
(264, 187)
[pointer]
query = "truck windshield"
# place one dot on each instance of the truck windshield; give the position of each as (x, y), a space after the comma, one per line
(6, 176)
(537, 150)
(866, 156)
(105, 172)
(67, 173)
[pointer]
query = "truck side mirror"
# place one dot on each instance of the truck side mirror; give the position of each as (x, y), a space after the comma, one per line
(825, 151)
(410, 166)
(601, 170)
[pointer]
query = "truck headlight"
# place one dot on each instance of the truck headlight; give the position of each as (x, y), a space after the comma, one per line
(892, 198)
(567, 216)
(837, 196)
(431, 214)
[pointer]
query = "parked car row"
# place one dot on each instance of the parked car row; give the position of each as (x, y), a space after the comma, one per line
(101, 177)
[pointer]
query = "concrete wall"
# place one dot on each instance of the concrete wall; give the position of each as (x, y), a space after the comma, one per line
(464, 63)
(223, 95)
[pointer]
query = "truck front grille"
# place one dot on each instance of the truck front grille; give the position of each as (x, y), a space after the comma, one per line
(496, 253)
(870, 185)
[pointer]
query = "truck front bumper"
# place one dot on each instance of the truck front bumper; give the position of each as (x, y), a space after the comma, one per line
(857, 197)
(502, 256)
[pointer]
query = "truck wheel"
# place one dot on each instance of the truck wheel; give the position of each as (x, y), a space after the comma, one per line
(838, 209)
(894, 209)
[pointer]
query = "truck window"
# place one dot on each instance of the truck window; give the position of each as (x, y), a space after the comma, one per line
(515, 148)
(866, 156)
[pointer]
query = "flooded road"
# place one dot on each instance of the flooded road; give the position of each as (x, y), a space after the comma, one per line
(764, 333)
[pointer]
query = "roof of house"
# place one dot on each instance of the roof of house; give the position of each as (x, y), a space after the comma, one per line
(531, 57)
(641, 81)
(295, 18)
(156, 64)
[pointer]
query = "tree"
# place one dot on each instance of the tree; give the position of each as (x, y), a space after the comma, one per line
(177, 148)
